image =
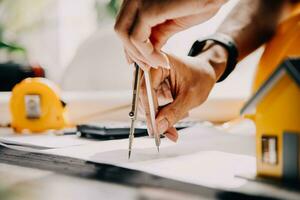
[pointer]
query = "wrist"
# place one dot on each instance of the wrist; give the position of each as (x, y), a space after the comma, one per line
(221, 49)
(216, 56)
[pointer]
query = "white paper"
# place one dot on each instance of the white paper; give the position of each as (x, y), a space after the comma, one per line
(203, 155)
(43, 140)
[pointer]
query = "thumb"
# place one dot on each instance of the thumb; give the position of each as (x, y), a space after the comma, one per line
(162, 32)
(170, 114)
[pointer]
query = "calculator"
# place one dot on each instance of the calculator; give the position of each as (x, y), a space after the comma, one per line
(119, 130)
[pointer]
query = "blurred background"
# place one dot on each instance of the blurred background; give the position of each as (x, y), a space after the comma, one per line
(51, 32)
(72, 43)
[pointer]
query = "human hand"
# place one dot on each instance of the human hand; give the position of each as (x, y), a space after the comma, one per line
(144, 26)
(184, 86)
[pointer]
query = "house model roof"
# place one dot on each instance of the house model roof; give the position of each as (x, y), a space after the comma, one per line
(290, 66)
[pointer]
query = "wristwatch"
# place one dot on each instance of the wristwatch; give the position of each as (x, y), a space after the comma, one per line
(223, 40)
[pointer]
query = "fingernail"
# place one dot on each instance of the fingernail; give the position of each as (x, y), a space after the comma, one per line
(171, 137)
(150, 133)
(163, 125)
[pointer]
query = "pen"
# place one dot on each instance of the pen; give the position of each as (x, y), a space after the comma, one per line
(151, 108)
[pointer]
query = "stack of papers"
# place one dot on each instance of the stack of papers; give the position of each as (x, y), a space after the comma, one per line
(203, 154)
(43, 141)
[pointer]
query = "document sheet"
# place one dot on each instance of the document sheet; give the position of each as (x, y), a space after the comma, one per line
(203, 155)
(41, 141)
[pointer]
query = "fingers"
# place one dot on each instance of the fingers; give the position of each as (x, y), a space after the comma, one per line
(172, 134)
(124, 23)
(128, 58)
(158, 76)
(133, 25)
(170, 114)
(140, 37)
(138, 18)
(159, 87)
(162, 32)
(164, 94)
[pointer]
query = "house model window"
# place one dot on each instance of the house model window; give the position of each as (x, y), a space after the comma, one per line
(269, 150)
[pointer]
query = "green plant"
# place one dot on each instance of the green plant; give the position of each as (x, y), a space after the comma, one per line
(113, 6)
(17, 17)
(11, 47)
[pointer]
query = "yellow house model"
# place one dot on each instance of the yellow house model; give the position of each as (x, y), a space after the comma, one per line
(276, 111)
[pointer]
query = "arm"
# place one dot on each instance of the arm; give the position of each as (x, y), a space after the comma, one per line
(252, 22)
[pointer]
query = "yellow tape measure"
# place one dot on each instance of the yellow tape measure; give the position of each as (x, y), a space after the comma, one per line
(36, 106)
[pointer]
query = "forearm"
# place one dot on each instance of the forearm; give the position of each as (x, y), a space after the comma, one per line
(251, 23)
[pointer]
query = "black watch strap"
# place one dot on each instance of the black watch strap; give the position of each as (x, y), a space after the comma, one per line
(225, 41)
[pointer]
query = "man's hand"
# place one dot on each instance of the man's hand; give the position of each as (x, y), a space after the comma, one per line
(184, 86)
(145, 25)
